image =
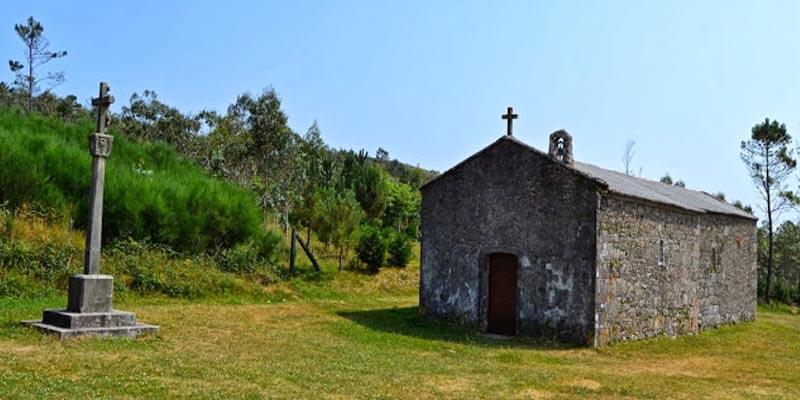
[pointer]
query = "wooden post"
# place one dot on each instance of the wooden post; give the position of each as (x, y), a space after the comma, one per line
(307, 251)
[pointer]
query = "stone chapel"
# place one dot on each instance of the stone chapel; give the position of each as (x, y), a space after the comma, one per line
(516, 241)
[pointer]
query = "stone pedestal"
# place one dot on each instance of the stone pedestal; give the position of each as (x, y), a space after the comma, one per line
(89, 312)
(90, 293)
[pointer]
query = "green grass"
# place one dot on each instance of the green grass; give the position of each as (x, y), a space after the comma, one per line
(351, 335)
(37, 257)
(151, 194)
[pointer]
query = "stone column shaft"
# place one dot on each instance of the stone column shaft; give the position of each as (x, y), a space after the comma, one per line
(95, 223)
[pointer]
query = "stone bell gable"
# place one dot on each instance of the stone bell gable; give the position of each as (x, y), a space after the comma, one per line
(518, 241)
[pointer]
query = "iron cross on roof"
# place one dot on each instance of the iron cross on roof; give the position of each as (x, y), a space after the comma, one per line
(102, 102)
(510, 117)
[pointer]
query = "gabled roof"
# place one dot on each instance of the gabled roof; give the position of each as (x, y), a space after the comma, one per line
(663, 193)
(631, 186)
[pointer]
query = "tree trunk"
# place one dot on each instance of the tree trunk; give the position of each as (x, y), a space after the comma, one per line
(292, 254)
(769, 226)
(797, 295)
(30, 78)
(340, 258)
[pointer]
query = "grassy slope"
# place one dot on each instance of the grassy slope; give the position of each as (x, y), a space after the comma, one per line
(357, 336)
(150, 192)
(36, 258)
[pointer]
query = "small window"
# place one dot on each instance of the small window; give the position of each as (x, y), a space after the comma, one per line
(662, 253)
(716, 259)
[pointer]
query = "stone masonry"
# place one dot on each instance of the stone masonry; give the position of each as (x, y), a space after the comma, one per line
(708, 276)
(602, 256)
(543, 213)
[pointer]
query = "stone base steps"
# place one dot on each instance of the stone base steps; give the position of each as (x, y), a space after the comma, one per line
(130, 331)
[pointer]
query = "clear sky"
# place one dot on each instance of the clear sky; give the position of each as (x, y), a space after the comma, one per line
(428, 80)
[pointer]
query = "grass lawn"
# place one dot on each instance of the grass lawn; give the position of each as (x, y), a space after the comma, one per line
(360, 336)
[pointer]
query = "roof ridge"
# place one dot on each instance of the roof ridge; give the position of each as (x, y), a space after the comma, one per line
(626, 185)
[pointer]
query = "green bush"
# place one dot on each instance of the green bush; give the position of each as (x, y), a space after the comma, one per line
(47, 261)
(399, 249)
(18, 285)
(371, 247)
(151, 194)
(152, 269)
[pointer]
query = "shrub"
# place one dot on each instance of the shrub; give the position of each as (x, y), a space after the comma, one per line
(240, 259)
(252, 257)
(18, 285)
(36, 260)
(153, 269)
(399, 249)
(371, 247)
(48, 261)
(151, 194)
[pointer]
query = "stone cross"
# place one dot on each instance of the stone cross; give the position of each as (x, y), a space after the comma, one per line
(99, 148)
(90, 310)
(510, 117)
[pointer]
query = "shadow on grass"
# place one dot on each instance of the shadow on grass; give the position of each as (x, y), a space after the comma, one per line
(407, 321)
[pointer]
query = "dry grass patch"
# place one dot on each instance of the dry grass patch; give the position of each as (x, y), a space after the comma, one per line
(343, 338)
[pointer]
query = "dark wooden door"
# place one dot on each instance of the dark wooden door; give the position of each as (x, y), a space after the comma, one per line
(503, 294)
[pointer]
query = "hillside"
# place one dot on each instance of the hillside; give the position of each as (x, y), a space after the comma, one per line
(151, 194)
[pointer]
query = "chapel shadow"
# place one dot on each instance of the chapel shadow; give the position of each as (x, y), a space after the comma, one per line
(407, 321)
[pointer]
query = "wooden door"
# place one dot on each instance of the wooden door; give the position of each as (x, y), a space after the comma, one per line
(503, 294)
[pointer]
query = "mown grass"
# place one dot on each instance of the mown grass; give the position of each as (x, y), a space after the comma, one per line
(350, 335)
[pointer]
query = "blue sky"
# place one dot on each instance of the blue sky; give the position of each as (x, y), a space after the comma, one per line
(428, 80)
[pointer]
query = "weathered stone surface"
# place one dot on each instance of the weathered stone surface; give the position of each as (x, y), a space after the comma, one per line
(117, 331)
(66, 319)
(709, 277)
(90, 293)
(89, 312)
(595, 266)
(508, 199)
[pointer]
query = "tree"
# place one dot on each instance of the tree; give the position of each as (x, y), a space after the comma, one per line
(627, 155)
(313, 152)
(37, 53)
(787, 262)
(345, 215)
(402, 208)
(371, 188)
(382, 155)
(147, 118)
(399, 250)
(371, 248)
(7, 95)
(666, 179)
(272, 145)
(738, 204)
(770, 162)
